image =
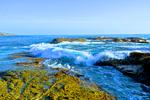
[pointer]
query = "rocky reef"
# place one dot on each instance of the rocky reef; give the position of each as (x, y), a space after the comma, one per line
(136, 65)
(58, 40)
(113, 39)
(32, 62)
(29, 60)
(39, 84)
(101, 39)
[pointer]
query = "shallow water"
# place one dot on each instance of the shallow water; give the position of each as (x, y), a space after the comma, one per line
(80, 57)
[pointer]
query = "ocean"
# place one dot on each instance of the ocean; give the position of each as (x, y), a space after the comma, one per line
(80, 58)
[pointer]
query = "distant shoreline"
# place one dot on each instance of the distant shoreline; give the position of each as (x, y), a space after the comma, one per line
(6, 34)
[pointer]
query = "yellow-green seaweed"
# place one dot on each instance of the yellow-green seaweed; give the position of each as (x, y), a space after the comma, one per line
(39, 85)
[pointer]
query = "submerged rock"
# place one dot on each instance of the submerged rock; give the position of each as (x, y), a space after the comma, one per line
(39, 85)
(58, 40)
(29, 60)
(20, 55)
(32, 62)
(136, 65)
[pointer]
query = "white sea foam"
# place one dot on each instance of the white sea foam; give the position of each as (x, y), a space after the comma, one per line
(52, 51)
(145, 48)
(78, 43)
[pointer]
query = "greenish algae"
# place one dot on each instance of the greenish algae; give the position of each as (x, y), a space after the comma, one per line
(39, 85)
(34, 62)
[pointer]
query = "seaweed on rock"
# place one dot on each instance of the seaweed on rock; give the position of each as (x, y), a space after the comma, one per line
(38, 85)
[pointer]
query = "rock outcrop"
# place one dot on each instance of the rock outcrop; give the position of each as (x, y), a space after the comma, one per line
(58, 40)
(39, 85)
(101, 39)
(136, 65)
(113, 39)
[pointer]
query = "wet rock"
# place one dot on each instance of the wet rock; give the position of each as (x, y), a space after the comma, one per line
(101, 39)
(32, 62)
(20, 55)
(113, 39)
(131, 69)
(137, 40)
(29, 60)
(120, 40)
(112, 62)
(136, 65)
(37, 85)
(138, 55)
(58, 40)
(145, 88)
(132, 39)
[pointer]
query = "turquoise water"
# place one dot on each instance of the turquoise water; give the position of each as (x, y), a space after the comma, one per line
(79, 58)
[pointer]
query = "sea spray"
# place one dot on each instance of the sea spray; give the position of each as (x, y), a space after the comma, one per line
(53, 51)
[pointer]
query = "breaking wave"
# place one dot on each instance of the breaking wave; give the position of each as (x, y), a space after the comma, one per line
(53, 51)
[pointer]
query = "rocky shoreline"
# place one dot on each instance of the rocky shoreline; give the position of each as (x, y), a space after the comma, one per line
(35, 82)
(38, 83)
(136, 65)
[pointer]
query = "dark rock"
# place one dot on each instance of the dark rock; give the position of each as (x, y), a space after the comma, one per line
(58, 40)
(113, 39)
(20, 55)
(112, 62)
(103, 39)
(137, 40)
(137, 55)
(34, 62)
(145, 88)
(136, 65)
(118, 40)
(131, 69)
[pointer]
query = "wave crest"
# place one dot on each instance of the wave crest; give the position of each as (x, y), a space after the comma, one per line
(53, 51)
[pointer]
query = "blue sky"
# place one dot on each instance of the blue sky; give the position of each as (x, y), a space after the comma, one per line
(75, 16)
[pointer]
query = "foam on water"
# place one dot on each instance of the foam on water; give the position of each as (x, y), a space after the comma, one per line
(81, 62)
(79, 57)
(80, 43)
(53, 51)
